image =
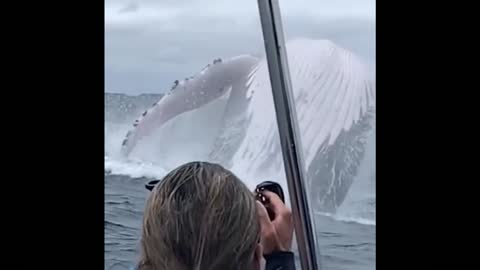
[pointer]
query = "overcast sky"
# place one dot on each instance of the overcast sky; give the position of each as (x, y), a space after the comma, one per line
(151, 43)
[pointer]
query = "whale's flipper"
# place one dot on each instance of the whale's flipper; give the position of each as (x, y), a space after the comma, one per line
(209, 84)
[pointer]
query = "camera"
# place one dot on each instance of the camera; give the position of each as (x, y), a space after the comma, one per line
(150, 185)
(270, 186)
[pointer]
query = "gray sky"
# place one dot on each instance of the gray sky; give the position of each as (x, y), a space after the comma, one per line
(151, 43)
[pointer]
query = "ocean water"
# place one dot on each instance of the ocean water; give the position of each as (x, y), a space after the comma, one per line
(347, 243)
(346, 239)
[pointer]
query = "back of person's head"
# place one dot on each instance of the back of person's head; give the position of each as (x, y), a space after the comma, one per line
(200, 217)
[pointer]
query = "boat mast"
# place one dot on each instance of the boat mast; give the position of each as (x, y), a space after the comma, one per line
(288, 130)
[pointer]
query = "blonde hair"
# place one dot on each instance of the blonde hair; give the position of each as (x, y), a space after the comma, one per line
(199, 217)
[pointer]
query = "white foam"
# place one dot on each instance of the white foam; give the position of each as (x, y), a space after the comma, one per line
(134, 168)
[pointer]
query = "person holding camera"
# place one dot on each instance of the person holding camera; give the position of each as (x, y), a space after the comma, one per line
(202, 217)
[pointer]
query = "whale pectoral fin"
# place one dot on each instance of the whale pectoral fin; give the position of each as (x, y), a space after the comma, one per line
(208, 85)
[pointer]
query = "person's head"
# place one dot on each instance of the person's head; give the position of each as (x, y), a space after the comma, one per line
(199, 217)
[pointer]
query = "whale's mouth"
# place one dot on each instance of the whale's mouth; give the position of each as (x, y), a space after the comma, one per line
(188, 135)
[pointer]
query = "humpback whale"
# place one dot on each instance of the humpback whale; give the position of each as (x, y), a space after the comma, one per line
(334, 94)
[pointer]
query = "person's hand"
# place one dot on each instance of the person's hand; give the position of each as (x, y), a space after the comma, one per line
(276, 234)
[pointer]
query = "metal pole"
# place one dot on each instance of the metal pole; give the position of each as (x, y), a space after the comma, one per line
(288, 130)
